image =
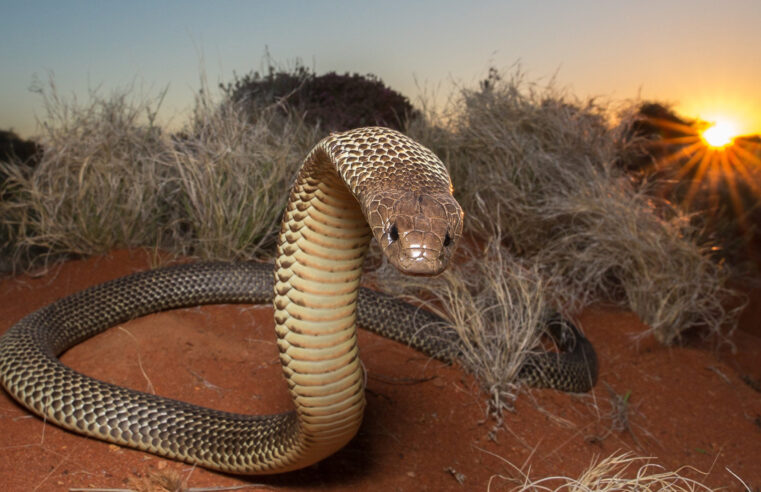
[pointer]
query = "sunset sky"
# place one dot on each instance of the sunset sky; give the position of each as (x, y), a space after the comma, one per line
(702, 56)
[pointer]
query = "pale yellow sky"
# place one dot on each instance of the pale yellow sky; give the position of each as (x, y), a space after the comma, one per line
(700, 55)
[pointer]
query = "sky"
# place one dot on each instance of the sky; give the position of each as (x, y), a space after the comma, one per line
(704, 57)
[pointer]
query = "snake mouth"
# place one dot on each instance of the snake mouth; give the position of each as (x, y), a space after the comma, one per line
(421, 261)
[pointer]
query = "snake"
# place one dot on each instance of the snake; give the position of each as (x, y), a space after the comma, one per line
(352, 186)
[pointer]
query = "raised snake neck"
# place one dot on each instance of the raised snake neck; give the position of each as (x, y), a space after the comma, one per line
(324, 235)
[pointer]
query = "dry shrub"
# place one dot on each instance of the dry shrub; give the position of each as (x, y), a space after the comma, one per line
(100, 181)
(233, 172)
(617, 472)
(110, 178)
(499, 306)
(540, 166)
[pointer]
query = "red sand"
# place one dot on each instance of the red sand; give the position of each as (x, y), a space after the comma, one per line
(425, 426)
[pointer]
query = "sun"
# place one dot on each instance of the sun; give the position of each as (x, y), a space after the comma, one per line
(712, 164)
(719, 134)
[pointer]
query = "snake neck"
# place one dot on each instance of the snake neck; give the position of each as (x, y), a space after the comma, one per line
(321, 247)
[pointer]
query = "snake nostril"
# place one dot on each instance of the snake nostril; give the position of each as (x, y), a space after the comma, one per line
(393, 233)
(447, 240)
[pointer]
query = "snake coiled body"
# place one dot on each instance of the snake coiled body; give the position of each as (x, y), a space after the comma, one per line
(352, 186)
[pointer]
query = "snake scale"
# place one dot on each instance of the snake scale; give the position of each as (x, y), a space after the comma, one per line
(355, 185)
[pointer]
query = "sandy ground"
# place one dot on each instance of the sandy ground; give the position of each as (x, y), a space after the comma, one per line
(426, 426)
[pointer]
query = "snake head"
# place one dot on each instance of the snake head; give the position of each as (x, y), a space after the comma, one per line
(417, 231)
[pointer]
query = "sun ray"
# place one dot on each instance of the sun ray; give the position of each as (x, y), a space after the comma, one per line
(680, 153)
(736, 199)
(697, 180)
(743, 156)
(694, 156)
(663, 124)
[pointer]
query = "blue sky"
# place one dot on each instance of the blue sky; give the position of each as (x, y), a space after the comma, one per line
(702, 56)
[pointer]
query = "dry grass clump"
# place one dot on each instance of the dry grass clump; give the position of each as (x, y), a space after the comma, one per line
(617, 472)
(540, 166)
(499, 307)
(232, 173)
(612, 245)
(100, 181)
(110, 178)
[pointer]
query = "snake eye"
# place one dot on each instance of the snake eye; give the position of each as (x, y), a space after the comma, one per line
(393, 233)
(447, 240)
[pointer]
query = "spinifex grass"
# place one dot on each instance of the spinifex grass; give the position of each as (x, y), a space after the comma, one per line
(100, 183)
(540, 166)
(618, 472)
(232, 175)
(110, 178)
(498, 305)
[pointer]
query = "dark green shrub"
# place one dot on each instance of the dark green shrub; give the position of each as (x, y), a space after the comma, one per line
(14, 147)
(334, 102)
